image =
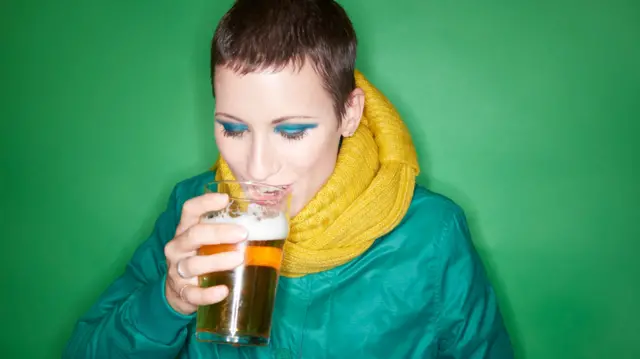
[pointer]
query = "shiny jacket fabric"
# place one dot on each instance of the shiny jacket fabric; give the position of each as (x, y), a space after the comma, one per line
(418, 292)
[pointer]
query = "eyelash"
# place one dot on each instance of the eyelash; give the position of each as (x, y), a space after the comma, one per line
(232, 134)
(291, 136)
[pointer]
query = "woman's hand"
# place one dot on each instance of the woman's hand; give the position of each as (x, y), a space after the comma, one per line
(184, 265)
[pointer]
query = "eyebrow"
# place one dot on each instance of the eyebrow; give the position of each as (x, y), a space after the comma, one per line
(274, 121)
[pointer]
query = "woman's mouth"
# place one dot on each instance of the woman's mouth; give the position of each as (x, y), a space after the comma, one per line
(269, 192)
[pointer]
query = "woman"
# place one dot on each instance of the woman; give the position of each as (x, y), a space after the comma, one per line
(375, 266)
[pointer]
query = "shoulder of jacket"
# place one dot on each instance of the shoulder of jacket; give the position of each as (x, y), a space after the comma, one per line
(192, 187)
(429, 208)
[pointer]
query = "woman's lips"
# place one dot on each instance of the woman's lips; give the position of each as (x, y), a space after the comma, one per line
(269, 194)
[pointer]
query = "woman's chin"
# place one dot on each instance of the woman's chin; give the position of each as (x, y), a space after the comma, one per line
(296, 206)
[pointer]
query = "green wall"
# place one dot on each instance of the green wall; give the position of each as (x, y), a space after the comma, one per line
(524, 114)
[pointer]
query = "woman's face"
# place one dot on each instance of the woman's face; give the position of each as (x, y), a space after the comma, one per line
(280, 128)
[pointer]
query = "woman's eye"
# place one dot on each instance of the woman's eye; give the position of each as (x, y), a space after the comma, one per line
(294, 132)
(233, 130)
(293, 135)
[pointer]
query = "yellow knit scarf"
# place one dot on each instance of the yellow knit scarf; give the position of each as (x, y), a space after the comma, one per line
(365, 198)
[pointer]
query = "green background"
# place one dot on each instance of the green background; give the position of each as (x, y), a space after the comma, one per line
(525, 114)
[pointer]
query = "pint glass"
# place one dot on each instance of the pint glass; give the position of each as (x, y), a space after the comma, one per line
(244, 316)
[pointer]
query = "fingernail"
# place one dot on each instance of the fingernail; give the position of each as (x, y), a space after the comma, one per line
(221, 292)
(242, 233)
(237, 257)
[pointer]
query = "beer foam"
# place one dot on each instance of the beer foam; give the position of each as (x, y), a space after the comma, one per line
(260, 229)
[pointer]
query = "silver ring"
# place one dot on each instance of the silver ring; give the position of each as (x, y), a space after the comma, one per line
(179, 271)
(181, 292)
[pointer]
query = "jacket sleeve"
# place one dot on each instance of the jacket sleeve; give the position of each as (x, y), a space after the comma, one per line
(470, 322)
(132, 318)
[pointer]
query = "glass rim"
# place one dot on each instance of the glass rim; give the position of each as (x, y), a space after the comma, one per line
(285, 192)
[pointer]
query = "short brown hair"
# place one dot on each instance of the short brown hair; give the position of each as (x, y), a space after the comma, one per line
(256, 35)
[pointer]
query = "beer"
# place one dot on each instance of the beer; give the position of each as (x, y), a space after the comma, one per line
(244, 316)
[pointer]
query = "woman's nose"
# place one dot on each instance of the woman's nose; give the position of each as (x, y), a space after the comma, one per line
(263, 162)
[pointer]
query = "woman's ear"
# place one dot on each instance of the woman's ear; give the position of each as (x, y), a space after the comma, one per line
(353, 113)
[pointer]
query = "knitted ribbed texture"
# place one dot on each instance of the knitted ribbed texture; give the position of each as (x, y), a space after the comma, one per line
(367, 195)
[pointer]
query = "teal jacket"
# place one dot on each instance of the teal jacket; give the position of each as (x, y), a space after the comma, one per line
(418, 292)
